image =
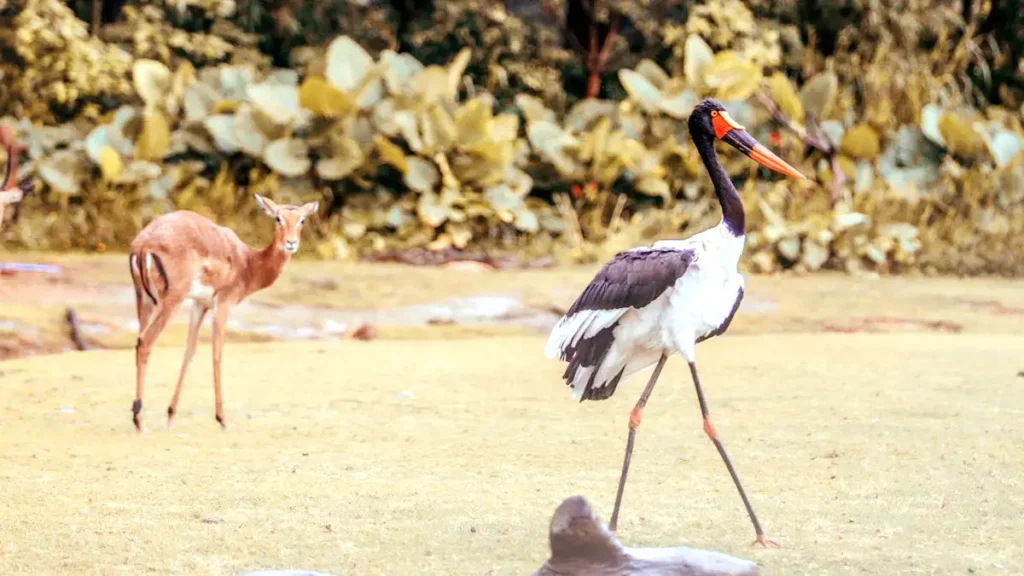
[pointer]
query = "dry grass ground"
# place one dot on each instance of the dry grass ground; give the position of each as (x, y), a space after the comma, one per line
(892, 453)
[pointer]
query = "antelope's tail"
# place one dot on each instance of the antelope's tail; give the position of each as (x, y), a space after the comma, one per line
(142, 264)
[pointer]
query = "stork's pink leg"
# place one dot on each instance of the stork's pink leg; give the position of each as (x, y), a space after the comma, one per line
(635, 416)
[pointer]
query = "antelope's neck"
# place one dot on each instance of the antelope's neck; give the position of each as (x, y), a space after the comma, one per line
(733, 215)
(264, 266)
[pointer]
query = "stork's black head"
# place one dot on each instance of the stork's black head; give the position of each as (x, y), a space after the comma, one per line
(700, 122)
(710, 120)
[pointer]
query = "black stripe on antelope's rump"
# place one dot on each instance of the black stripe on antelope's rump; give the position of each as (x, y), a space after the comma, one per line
(144, 277)
(633, 279)
(163, 272)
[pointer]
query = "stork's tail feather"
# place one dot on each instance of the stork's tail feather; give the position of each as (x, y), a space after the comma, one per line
(604, 391)
(594, 368)
(573, 328)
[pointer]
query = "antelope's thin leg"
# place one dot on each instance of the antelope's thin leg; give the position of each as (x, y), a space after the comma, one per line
(220, 317)
(195, 322)
(634, 422)
(712, 433)
(164, 312)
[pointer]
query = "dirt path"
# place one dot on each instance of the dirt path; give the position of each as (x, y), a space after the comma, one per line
(317, 300)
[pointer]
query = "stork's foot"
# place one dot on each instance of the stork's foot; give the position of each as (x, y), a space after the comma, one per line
(220, 420)
(764, 541)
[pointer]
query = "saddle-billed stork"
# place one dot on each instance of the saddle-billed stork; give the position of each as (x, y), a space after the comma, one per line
(650, 302)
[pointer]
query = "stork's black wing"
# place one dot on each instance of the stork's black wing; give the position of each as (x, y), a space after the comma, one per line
(633, 279)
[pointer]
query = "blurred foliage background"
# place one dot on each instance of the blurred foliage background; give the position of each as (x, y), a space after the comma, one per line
(530, 127)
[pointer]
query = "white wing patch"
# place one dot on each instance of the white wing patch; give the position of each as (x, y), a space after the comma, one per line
(583, 324)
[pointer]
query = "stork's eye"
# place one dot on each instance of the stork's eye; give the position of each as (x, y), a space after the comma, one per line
(714, 112)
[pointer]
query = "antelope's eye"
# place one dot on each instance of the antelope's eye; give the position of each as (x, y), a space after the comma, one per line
(280, 220)
(714, 112)
(302, 220)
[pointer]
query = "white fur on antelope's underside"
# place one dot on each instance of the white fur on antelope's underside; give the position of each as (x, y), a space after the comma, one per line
(200, 292)
(197, 313)
(583, 324)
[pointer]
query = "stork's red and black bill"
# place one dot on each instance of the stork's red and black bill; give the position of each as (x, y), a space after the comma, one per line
(730, 132)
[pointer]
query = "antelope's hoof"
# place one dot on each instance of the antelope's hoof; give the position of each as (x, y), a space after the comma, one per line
(220, 420)
(137, 416)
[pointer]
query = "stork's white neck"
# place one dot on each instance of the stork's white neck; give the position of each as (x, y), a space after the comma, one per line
(717, 242)
(730, 246)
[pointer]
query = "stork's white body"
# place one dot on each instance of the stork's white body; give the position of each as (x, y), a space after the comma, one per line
(696, 305)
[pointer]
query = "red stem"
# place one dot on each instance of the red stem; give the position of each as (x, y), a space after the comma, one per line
(593, 84)
(597, 59)
(97, 9)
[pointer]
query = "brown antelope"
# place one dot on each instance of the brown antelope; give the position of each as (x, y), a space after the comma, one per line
(184, 256)
(11, 191)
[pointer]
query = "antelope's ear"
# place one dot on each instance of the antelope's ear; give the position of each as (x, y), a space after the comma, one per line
(267, 204)
(310, 208)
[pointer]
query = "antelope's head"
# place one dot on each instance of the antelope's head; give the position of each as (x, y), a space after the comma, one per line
(289, 221)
